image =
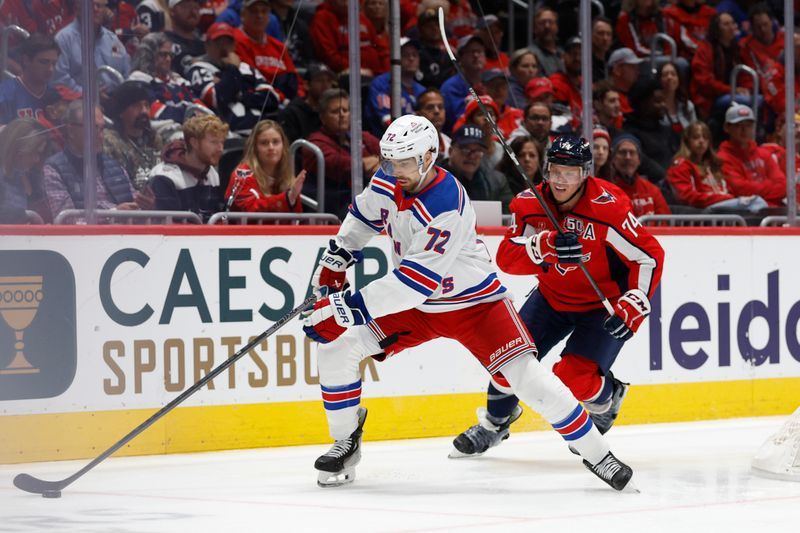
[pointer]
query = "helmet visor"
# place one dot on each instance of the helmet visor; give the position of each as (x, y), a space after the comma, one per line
(404, 167)
(564, 175)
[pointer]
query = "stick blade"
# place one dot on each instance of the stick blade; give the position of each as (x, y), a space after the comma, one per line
(28, 483)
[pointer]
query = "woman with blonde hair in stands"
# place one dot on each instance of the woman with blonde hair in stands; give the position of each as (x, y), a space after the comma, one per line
(23, 149)
(696, 175)
(263, 181)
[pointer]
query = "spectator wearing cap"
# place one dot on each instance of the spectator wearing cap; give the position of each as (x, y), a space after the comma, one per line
(545, 45)
(637, 24)
(659, 142)
(300, 118)
(472, 56)
(712, 65)
(170, 94)
(153, 15)
(333, 138)
(265, 53)
(602, 39)
(378, 108)
(607, 106)
(537, 123)
(539, 90)
(645, 197)
(748, 167)
(434, 64)
(294, 25)
(185, 37)
(567, 83)
(473, 114)
(490, 31)
(23, 97)
(234, 90)
(464, 161)
(331, 42)
(430, 104)
(460, 18)
(686, 21)
(63, 171)
(23, 148)
(108, 50)
(132, 140)
(496, 83)
(523, 67)
(624, 71)
(186, 179)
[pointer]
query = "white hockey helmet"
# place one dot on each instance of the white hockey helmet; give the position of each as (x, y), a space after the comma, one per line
(410, 136)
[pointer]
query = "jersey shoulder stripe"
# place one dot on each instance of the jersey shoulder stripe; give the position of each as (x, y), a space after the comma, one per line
(383, 184)
(445, 194)
(415, 280)
(375, 225)
(428, 273)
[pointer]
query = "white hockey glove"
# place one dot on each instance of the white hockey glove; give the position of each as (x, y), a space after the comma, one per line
(555, 247)
(331, 270)
(630, 311)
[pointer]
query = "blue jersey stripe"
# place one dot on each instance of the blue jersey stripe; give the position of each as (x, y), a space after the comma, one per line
(583, 430)
(422, 270)
(422, 289)
(335, 406)
(342, 388)
(372, 224)
(572, 417)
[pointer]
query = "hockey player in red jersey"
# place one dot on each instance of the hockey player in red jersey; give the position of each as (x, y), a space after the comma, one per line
(443, 285)
(600, 230)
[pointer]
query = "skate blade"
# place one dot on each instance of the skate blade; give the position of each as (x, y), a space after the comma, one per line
(631, 488)
(336, 479)
(455, 454)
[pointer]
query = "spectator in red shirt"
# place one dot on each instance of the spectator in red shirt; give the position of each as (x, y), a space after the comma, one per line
(330, 37)
(696, 175)
(263, 181)
(267, 54)
(748, 167)
(645, 197)
(490, 31)
(377, 11)
(624, 69)
(333, 138)
(778, 149)
(38, 16)
(762, 49)
(712, 65)
(687, 21)
(637, 25)
(567, 84)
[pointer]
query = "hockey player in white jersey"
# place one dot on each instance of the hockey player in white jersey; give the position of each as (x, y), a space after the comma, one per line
(443, 285)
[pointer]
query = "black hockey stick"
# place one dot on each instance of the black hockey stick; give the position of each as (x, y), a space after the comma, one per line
(52, 489)
(513, 157)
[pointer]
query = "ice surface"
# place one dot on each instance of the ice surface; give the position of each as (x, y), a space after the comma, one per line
(693, 477)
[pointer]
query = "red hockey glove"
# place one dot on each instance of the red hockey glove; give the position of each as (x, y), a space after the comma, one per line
(555, 247)
(333, 314)
(332, 269)
(630, 310)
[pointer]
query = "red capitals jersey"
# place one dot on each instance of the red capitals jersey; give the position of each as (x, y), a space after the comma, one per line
(688, 27)
(618, 252)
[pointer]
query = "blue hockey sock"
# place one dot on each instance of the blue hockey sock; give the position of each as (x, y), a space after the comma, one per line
(499, 404)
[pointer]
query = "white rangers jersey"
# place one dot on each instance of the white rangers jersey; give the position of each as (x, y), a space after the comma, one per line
(439, 263)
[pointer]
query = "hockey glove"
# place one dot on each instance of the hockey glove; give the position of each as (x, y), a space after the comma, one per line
(630, 310)
(332, 268)
(555, 247)
(333, 314)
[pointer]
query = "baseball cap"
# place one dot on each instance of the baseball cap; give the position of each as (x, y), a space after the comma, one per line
(738, 113)
(491, 74)
(464, 41)
(248, 3)
(315, 70)
(623, 56)
(405, 40)
(173, 3)
(219, 29)
(487, 21)
(573, 41)
(427, 15)
(538, 87)
(469, 134)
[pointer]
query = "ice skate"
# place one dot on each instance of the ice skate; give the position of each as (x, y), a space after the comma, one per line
(606, 419)
(337, 466)
(611, 470)
(476, 440)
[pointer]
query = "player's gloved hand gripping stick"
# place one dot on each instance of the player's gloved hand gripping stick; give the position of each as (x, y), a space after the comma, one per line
(510, 153)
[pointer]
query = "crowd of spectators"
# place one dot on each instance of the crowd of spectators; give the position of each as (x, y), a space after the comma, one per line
(200, 101)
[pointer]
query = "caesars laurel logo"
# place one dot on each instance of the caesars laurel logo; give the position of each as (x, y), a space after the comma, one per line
(38, 341)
